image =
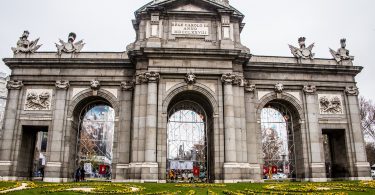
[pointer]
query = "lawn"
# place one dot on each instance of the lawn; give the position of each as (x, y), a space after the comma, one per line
(331, 188)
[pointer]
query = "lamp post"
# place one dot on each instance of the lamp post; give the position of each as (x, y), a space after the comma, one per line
(284, 158)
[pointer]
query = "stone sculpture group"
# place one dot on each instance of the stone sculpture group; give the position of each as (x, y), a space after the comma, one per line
(301, 52)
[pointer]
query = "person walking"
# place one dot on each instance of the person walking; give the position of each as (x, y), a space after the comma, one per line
(82, 171)
(77, 174)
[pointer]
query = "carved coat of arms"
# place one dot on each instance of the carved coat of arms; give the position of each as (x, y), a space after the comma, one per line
(37, 99)
(330, 104)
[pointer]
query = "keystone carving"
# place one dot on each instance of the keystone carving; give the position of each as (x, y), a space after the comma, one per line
(352, 90)
(279, 88)
(342, 53)
(61, 84)
(190, 79)
(152, 77)
(95, 85)
(70, 46)
(127, 85)
(228, 79)
(26, 46)
(302, 52)
(14, 84)
(309, 89)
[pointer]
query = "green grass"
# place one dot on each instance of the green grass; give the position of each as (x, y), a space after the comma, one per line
(346, 187)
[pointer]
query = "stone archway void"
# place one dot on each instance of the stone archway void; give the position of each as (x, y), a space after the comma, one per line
(189, 138)
(281, 140)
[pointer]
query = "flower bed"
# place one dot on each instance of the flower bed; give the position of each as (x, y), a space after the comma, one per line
(6, 185)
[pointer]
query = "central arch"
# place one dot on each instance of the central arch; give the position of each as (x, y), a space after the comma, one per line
(189, 135)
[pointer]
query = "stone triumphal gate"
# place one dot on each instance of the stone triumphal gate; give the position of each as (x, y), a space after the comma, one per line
(185, 98)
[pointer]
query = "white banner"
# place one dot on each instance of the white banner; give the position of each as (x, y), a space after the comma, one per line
(181, 165)
(88, 168)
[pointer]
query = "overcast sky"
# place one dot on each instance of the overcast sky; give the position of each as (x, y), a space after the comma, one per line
(105, 25)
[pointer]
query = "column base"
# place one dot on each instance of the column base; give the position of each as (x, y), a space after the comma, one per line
(144, 172)
(52, 172)
(241, 172)
(318, 171)
(12, 178)
(56, 180)
(363, 170)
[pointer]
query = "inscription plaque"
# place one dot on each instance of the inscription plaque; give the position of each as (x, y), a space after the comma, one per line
(186, 28)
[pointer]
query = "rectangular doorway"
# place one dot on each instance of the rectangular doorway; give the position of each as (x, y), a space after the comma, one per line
(32, 155)
(335, 153)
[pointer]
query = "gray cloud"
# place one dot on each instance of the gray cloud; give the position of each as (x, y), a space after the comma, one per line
(271, 25)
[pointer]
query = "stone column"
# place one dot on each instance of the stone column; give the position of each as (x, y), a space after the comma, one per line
(137, 140)
(55, 144)
(150, 167)
(9, 130)
(317, 162)
(121, 155)
(231, 169)
(361, 166)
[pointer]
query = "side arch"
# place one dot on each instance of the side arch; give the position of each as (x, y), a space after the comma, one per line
(287, 98)
(298, 128)
(78, 103)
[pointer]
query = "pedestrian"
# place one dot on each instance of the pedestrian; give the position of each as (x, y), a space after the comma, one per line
(77, 174)
(82, 171)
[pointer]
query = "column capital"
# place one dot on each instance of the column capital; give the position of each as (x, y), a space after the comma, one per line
(140, 79)
(309, 89)
(239, 81)
(228, 78)
(352, 91)
(152, 77)
(127, 85)
(62, 84)
(249, 88)
(15, 85)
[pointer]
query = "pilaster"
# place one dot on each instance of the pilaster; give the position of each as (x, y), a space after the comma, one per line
(9, 131)
(55, 145)
(317, 162)
(121, 154)
(361, 166)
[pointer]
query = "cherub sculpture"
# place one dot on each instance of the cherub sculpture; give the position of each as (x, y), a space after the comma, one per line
(303, 52)
(26, 46)
(342, 53)
(70, 46)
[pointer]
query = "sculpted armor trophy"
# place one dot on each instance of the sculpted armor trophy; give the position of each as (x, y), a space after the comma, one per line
(302, 52)
(342, 53)
(26, 46)
(70, 46)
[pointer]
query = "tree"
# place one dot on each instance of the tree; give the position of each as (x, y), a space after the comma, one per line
(370, 149)
(272, 146)
(367, 112)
